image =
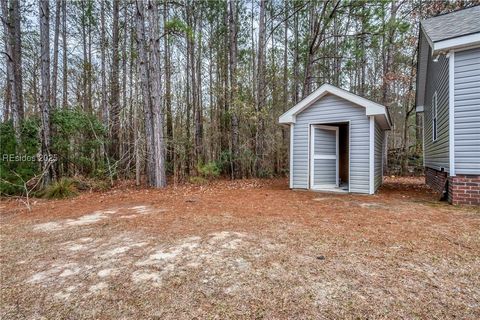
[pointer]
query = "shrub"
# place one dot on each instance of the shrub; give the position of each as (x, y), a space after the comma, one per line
(100, 185)
(265, 173)
(198, 180)
(61, 189)
(209, 171)
(77, 139)
(13, 174)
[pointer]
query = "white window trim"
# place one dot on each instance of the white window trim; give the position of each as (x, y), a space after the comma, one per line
(434, 112)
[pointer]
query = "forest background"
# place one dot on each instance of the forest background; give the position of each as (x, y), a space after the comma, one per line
(97, 92)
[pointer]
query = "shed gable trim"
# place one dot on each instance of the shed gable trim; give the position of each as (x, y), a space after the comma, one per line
(372, 108)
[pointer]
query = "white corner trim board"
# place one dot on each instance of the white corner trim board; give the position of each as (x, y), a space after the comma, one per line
(291, 154)
(451, 111)
(372, 156)
(372, 108)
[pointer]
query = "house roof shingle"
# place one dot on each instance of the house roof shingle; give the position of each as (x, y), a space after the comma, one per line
(452, 25)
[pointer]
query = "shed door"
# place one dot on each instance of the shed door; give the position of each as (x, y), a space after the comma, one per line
(323, 157)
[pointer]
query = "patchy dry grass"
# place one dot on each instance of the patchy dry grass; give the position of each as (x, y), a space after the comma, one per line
(244, 249)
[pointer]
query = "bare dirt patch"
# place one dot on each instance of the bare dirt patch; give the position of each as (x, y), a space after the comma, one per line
(243, 249)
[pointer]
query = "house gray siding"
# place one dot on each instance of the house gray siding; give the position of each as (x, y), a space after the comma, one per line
(436, 152)
(467, 112)
(333, 109)
(379, 138)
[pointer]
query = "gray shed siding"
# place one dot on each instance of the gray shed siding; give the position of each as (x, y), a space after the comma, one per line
(436, 152)
(378, 155)
(333, 109)
(467, 112)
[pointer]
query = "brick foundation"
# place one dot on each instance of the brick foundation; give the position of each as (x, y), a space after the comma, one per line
(462, 189)
(435, 179)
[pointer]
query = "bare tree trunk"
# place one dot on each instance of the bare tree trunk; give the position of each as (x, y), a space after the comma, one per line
(193, 76)
(213, 146)
(34, 77)
(158, 147)
(64, 58)
(144, 82)
(260, 101)
(103, 80)
(85, 61)
(418, 133)
(336, 62)
(45, 92)
(13, 102)
(136, 141)
(17, 58)
(124, 151)
(199, 152)
(190, 79)
(8, 62)
(233, 31)
(89, 57)
(409, 110)
(316, 38)
(53, 98)
(296, 58)
(389, 55)
(285, 82)
(363, 60)
(133, 92)
(224, 108)
(168, 85)
(114, 86)
(8, 90)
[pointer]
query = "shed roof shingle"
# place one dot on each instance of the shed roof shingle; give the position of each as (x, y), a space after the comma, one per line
(452, 25)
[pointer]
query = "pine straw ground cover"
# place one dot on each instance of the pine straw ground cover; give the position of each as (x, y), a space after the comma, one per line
(244, 249)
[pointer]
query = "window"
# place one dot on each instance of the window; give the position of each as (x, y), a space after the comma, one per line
(434, 116)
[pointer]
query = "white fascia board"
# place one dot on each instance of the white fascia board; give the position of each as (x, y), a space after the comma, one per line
(456, 43)
(371, 107)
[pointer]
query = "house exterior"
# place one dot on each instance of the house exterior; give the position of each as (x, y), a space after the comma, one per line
(448, 94)
(337, 142)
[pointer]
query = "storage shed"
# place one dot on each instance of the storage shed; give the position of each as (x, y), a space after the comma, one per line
(337, 141)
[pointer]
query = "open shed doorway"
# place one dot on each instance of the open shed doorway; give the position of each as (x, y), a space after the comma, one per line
(329, 157)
